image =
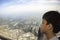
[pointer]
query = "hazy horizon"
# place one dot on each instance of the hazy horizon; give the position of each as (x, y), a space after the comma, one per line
(27, 8)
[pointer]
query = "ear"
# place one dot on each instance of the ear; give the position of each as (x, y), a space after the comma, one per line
(50, 27)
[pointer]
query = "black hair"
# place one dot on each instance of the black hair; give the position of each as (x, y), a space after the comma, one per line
(53, 17)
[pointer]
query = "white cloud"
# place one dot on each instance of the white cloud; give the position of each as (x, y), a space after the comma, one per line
(35, 5)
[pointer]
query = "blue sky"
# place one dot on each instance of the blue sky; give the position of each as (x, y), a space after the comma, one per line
(4, 1)
(22, 6)
(14, 1)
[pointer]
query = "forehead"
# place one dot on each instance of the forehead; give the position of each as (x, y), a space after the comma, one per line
(44, 21)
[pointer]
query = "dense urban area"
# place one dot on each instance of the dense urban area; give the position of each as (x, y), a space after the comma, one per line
(19, 28)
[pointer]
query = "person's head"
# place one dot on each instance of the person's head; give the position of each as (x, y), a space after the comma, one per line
(51, 18)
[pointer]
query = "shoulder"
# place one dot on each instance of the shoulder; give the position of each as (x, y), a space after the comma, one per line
(54, 38)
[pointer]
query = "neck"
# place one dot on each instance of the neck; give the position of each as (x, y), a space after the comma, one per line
(50, 35)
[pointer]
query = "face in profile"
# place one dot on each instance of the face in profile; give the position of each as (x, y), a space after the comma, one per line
(45, 27)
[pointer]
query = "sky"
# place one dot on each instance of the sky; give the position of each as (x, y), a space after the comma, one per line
(28, 6)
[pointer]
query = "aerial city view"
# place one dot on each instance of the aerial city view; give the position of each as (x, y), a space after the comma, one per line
(21, 19)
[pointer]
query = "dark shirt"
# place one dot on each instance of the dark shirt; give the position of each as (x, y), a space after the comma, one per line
(40, 35)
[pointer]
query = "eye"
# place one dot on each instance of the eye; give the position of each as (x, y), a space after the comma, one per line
(42, 22)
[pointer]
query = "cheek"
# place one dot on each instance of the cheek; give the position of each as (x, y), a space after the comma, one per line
(43, 27)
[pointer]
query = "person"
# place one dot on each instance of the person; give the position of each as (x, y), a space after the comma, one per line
(51, 25)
